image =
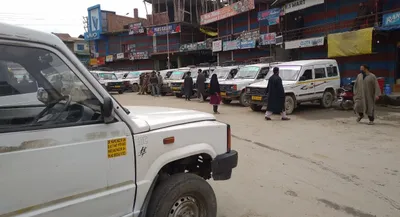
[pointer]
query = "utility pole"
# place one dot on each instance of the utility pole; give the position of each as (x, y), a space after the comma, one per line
(168, 60)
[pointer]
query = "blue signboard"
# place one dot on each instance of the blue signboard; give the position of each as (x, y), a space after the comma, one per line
(94, 23)
(231, 45)
(247, 44)
(391, 19)
(271, 16)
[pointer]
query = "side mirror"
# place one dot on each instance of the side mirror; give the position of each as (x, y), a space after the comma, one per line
(302, 78)
(107, 110)
(42, 95)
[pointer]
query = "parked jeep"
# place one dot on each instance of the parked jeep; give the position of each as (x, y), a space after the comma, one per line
(223, 74)
(109, 81)
(82, 153)
(235, 89)
(132, 79)
(303, 81)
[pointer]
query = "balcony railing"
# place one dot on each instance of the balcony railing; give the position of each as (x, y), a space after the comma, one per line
(336, 26)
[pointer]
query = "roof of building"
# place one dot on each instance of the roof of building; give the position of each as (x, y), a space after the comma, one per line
(20, 33)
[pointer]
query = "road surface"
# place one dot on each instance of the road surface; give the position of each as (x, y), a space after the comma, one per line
(321, 163)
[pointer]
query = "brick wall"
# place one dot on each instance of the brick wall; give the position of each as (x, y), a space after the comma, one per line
(117, 22)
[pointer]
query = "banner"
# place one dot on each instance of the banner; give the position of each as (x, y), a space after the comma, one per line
(250, 35)
(101, 60)
(208, 32)
(300, 5)
(231, 45)
(164, 30)
(93, 61)
(227, 11)
(350, 43)
(272, 16)
(109, 58)
(202, 45)
(120, 56)
(302, 43)
(247, 44)
(139, 55)
(268, 39)
(391, 19)
(217, 46)
(136, 28)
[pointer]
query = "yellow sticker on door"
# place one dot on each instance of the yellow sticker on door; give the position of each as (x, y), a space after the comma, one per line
(116, 147)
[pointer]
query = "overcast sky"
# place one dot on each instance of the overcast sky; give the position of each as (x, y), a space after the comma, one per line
(61, 16)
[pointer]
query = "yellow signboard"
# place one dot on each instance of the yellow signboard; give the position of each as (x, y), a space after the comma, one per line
(93, 61)
(350, 43)
(116, 147)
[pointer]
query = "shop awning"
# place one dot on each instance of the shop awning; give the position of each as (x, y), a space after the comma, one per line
(387, 28)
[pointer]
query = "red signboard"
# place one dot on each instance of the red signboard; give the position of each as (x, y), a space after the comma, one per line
(228, 11)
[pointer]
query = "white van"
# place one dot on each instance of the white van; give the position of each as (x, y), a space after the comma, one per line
(303, 81)
(80, 153)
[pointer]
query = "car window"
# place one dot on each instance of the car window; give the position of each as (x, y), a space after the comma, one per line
(133, 75)
(332, 71)
(35, 81)
(177, 75)
(307, 75)
(287, 73)
(108, 76)
(247, 72)
(319, 73)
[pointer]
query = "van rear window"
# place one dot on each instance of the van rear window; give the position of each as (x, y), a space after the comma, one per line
(332, 71)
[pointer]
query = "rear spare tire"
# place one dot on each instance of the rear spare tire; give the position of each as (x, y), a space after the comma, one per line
(183, 194)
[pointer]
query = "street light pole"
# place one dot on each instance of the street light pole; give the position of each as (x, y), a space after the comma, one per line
(168, 61)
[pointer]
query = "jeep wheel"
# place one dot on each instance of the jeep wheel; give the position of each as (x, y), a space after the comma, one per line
(327, 99)
(255, 107)
(289, 104)
(205, 98)
(183, 194)
(178, 95)
(243, 100)
(135, 88)
(120, 91)
(226, 101)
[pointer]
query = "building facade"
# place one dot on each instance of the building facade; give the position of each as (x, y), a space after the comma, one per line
(77, 45)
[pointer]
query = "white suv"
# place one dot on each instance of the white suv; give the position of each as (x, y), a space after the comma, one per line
(303, 81)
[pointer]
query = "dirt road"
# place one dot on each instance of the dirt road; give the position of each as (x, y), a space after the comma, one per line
(321, 163)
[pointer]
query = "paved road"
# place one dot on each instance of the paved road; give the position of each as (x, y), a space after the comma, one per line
(321, 163)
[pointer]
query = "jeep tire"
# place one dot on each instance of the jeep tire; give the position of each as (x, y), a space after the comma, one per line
(183, 194)
(226, 101)
(243, 100)
(327, 99)
(290, 104)
(135, 88)
(255, 107)
(178, 95)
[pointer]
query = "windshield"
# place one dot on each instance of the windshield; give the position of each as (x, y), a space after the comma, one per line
(108, 76)
(134, 75)
(287, 73)
(120, 75)
(248, 72)
(177, 75)
(221, 73)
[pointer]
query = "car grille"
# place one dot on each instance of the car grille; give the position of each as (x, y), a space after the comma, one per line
(176, 84)
(225, 88)
(258, 91)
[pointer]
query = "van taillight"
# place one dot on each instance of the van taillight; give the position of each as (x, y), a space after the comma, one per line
(229, 138)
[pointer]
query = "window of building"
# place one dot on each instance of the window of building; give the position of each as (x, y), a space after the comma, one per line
(320, 73)
(332, 71)
(38, 89)
(80, 47)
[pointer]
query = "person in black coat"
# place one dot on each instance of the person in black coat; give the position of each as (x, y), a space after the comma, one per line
(201, 85)
(188, 86)
(276, 96)
(215, 91)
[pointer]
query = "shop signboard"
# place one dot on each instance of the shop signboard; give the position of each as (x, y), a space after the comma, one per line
(247, 44)
(120, 56)
(391, 19)
(271, 16)
(164, 30)
(94, 23)
(300, 5)
(136, 28)
(250, 35)
(188, 47)
(109, 58)
(231, 45)
(139, 55)
(93, 61)
(268, 39)
(217, 46)
(101, 61)
(227, 11)
(302, 43)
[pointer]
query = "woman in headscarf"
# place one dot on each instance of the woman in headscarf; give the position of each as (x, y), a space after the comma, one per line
(188, 86)
(215, 98)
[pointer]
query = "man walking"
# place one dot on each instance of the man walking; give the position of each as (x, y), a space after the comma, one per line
(141, 84)
(160, 83)
(201, 85)
(366, 92)
(276, 96)
(154, 83)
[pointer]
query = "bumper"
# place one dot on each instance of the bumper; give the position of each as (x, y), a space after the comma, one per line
(223, 164)
(121, 88)
(165, 89)
(230, 95)
(257, 100)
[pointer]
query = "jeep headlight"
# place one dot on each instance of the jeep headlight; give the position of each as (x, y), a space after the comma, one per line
(247, 90)
(105, 83)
